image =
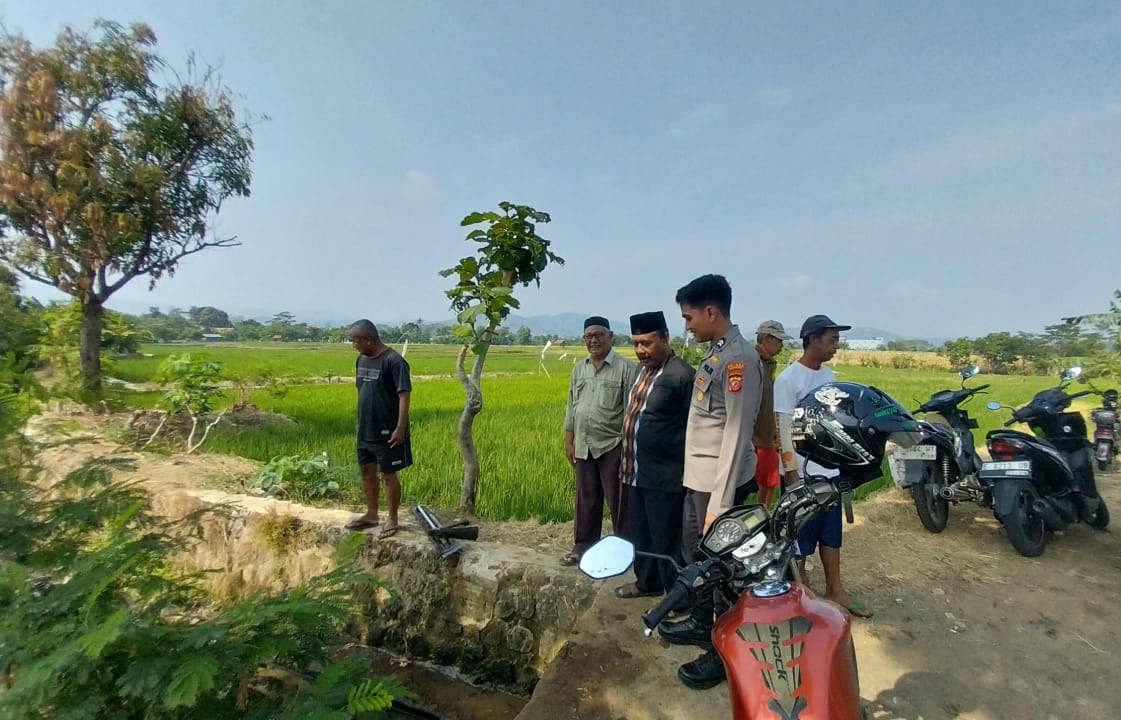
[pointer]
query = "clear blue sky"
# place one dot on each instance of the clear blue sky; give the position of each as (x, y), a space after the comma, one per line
(932, 169)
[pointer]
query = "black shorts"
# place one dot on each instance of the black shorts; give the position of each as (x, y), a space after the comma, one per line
(389, 459)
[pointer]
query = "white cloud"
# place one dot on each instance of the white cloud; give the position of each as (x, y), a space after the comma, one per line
(695, 120)
(415, 177)
(774, 99)
(985, 143)
(799, 280)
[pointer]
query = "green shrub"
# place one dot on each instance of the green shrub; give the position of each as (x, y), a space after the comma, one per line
(904, 361)
(298, 478)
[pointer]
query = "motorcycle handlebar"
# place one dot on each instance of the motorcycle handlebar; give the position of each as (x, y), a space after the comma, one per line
(686, 579)
(812, 492)
(676, 594)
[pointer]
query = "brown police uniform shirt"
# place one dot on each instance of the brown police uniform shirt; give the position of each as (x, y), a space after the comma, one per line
(727, 391)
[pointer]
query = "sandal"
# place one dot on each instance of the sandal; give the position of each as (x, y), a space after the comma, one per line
(570, 559)
(388, 532)
(858, 610)
(630, 590)
(361, 523)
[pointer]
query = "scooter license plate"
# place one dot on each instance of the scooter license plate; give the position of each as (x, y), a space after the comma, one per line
(1002, 468)
(917, 452)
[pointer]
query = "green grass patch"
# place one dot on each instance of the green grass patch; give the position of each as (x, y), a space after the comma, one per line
(519, 437)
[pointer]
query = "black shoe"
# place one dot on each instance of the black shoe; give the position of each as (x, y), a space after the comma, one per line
(686, 632)
(705, 672)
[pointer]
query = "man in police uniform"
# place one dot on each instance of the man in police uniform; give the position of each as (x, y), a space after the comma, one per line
(719, 456)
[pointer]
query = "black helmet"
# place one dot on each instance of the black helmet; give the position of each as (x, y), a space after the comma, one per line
(845, 425)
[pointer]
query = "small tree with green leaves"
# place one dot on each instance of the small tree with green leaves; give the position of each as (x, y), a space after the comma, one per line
(510, 253)
(1106, 362)
(193, 394)
(958, 352)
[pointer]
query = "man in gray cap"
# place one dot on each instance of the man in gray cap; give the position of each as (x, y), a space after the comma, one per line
(593, 424)
(769, 339)
(820, 339)
(654, 454)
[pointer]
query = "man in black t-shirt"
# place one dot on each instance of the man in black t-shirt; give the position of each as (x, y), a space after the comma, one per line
(381, 376)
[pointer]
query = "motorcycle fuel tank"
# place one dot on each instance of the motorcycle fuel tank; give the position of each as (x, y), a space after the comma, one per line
(788, 656)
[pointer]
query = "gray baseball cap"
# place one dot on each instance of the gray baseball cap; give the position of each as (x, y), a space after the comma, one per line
(773, 328)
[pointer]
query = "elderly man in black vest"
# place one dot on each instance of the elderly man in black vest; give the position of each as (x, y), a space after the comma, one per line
(654, 454)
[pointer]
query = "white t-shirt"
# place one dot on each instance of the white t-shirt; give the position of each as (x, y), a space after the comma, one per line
(792, 384)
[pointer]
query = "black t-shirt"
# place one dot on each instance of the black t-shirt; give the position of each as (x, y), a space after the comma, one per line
(379, 381)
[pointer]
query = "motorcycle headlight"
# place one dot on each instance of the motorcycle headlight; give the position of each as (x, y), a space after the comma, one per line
(726, 533)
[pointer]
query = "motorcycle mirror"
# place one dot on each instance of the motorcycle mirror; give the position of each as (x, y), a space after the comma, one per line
(969, 371)
(609, 557)
(1071, 373)
(993, 405)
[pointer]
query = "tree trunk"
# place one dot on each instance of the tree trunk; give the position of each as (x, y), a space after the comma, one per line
(473, 387)
(89, 344)
(472, 407)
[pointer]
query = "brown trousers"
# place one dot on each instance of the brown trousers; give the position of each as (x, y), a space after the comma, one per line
(597, 479)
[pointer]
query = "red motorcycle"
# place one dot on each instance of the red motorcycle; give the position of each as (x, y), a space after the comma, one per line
(788, 655)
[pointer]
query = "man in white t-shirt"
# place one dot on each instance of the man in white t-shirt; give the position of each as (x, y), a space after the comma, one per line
(820, 339)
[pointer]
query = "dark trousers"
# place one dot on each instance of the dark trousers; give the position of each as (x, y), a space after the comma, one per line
(597, 479)
(709, 603)
(655, 526)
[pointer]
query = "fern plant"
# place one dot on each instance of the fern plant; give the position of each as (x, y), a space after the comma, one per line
(96, 623)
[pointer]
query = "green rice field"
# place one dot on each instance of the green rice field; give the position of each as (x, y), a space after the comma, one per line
(321, 360)
(519, 433)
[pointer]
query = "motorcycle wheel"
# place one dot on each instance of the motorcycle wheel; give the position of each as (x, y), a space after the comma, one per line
(1103, 465)
(1025, 528)
(934, 512)
(1101, 516)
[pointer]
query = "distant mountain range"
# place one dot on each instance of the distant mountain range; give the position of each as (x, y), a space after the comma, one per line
(567, 324)
(572, 324)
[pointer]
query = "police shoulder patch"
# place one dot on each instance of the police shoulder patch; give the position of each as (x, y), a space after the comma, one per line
(735, 377)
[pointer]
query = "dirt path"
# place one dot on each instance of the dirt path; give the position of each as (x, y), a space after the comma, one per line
(964, 628)
(967, 628)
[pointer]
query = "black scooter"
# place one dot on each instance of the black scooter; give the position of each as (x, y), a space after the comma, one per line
(1105, 430)
(943, 468)
(1044, 481)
